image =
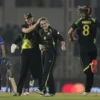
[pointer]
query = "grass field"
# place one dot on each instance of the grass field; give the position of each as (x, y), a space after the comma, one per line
(58, 96)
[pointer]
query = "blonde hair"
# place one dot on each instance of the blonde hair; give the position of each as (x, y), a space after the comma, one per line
(85, 10)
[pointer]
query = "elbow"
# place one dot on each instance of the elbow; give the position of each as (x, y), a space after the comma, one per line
(69, 33)
(61, 38)
(25, 31)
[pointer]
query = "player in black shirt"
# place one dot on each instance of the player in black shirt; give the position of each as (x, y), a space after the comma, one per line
(30, 53)
(49, 37)
(86, 27)
(14, 46)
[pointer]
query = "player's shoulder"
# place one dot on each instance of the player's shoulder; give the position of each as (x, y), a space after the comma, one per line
(52, 29)
(93, 19)
(78, 20)
(55, 31)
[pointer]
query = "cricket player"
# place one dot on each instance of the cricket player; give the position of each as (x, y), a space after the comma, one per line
(49, 37)
(86, 27)
(30, 53)
(15, 46)
(3, 58)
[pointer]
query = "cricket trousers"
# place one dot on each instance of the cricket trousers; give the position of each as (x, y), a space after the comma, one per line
(30, 61)
(86, 59)
(26, 85)
(48, 61)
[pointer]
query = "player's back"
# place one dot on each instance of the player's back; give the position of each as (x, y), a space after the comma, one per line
(87, 29)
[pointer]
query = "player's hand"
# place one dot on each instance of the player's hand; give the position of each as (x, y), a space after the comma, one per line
(63, 48)
(13, 48)
(38, 21)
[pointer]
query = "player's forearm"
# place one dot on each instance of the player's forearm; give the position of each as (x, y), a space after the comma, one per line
(31, 28)
(3, 51)
(63, 47)
(71, 36)
(70, 33)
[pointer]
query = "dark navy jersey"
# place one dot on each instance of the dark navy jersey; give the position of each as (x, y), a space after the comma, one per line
(86, 30)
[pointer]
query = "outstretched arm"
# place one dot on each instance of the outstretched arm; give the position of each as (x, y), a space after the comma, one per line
(31, 28)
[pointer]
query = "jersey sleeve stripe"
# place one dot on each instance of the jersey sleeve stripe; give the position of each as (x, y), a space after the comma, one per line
(77, 21)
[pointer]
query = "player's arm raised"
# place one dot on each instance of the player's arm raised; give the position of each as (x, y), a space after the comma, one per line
(31, 28)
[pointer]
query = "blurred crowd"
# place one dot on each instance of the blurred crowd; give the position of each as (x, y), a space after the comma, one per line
(9, 33)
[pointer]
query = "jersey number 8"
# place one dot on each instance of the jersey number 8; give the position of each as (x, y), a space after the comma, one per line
(86, 30)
